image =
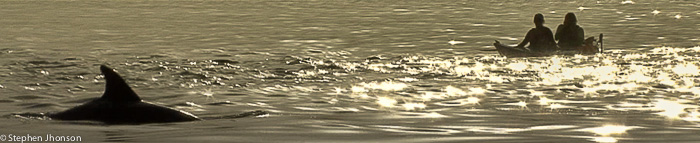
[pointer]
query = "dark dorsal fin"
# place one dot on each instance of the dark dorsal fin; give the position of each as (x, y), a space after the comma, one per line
(116, 89)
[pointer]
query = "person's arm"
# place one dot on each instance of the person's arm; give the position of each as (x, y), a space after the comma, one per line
(580, 35)
(527, 39)
(560, 28)
(550, 39)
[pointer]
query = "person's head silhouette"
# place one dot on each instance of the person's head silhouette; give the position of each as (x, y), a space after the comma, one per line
(539, 20)
(570, 19)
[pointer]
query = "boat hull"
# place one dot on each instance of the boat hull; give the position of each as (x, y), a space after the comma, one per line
(590, 47)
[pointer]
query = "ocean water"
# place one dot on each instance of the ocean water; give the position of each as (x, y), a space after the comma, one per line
(354, 71)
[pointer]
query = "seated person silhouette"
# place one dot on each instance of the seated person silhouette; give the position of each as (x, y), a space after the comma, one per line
(540, 37)
(569, 34)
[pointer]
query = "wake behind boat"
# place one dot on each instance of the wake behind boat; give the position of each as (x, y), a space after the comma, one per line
(591, 46)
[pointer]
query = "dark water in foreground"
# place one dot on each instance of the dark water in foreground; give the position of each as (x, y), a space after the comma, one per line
(355, 71)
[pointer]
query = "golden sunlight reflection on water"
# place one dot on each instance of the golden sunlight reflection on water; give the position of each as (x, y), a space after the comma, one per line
(676, 109)
(598, 75)
(608, 130)
(608, 133)
(661, 82)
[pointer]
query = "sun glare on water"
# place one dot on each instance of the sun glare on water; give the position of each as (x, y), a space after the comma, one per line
(604, 139)
(413, 106)
(670, 109)
(386, 102)
(610, 130)
(686, 69)
(517, 66)
(544, 101)
(473, 100)
(663, 82)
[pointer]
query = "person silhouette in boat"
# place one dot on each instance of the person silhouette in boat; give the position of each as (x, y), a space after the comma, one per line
(540, 37)
(569, 34)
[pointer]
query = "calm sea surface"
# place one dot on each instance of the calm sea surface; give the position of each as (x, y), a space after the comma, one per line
(355, 71)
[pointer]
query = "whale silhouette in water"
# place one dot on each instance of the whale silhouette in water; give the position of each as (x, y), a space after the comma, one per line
(121, 105)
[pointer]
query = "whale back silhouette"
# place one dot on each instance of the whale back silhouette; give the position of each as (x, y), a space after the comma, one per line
(121, 105)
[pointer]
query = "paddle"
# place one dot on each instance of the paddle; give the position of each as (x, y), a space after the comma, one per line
(601, 42)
